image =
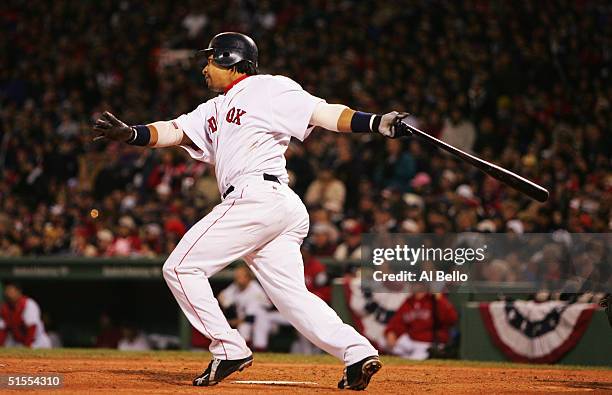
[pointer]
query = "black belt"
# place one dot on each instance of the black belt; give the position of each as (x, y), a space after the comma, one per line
(266, 176)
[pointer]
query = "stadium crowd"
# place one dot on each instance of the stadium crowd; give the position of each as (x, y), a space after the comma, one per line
(524, 86)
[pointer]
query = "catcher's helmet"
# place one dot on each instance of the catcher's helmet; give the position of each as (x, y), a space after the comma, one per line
(230, 48)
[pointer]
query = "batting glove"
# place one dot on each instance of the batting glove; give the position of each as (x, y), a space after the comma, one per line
(391, 125)
(112, 128)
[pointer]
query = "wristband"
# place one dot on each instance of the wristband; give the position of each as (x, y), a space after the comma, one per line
(141, 136)
(376, 123)
(365, 122)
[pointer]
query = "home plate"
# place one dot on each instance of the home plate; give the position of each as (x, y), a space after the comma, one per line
(273, 382)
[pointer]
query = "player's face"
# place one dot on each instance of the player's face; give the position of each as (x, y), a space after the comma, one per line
(217, 78)
(12, 293)
(242, 277)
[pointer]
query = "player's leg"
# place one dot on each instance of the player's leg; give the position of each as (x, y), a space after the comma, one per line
(278, 267)
(262, 327)
(234, 228)
(206, 248)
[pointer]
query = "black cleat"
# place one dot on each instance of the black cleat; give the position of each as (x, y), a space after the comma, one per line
(357, 376)
(218, 369)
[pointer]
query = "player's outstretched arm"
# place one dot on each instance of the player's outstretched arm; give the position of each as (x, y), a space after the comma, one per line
(340, 118)
(156, 134)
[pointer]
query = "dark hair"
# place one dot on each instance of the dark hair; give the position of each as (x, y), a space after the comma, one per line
(245, 67)
(12, 283)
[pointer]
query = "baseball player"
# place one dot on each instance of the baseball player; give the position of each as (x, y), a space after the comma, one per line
(255, 317)
(409, 333)
(20, 320)
(244, 132)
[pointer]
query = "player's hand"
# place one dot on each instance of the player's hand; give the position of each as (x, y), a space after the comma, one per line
(391, 125)
(108, 126)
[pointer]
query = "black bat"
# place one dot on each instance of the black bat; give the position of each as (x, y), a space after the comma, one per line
(517, 182)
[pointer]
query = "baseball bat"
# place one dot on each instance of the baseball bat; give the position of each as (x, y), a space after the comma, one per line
(517, 182)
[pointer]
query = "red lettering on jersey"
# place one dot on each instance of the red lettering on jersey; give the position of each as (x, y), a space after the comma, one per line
(234, 114)
(212, 124)
(230, 115)
(239, 113)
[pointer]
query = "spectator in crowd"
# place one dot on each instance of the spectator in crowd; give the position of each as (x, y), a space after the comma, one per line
(423, 320)
(351, 247)
(127, 242)
(459, 132)
(323, 240)
(109, 334)
(384, 221)
(326, 191)
(20, 320)
(396, 168)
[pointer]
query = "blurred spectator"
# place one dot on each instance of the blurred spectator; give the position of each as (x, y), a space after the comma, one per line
(396, 168)
(384, 221)
(127, 242)
(351, 247)
(109, 334)
(422, 320)
(20, 320)
(459, 132)
(326, 191)
(322, 240)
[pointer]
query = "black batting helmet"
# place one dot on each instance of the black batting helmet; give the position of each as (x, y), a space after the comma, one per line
(230, 48)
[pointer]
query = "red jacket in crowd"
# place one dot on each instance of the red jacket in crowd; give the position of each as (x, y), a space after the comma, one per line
(415, 318)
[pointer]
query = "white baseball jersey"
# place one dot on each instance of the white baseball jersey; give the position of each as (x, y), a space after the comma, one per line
(248, 301)
(253, 308)
(247, 129)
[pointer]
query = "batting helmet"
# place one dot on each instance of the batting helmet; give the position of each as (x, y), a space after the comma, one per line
(230, 48)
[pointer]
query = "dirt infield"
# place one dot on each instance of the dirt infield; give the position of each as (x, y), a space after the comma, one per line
(171, 372)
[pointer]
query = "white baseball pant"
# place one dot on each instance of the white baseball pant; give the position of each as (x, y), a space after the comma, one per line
(264, 223)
